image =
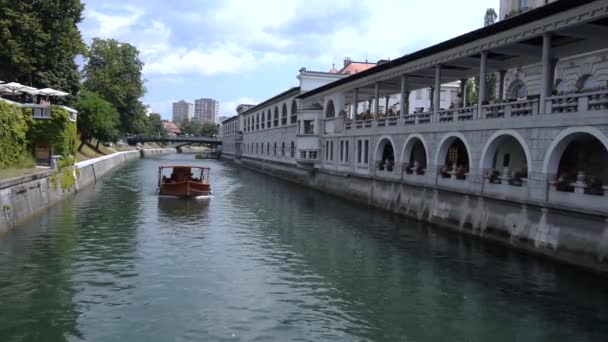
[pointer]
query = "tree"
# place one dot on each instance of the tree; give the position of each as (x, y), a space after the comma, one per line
(191, 127)
(39, 41)
(114, 71)
(490, 17)
(155, 126)
(209, 129)
(97, 119)
(196, 128)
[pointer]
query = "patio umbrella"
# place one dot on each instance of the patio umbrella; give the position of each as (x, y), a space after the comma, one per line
(13, 87)
(51, 92)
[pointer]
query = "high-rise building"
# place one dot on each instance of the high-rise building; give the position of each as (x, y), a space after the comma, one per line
(509, 8)
(182, 111)
(206, 110)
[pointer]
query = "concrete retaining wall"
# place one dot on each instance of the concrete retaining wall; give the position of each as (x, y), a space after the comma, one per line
(23, 197)
(571, 237)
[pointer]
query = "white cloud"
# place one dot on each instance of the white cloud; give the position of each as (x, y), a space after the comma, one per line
(110, 25)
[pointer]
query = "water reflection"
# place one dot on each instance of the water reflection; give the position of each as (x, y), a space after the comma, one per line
(171, 210)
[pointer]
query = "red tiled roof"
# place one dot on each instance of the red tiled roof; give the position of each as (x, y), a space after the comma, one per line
(355, 67)
(170, 127)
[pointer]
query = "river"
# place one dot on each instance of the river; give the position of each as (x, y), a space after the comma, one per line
(265, 260)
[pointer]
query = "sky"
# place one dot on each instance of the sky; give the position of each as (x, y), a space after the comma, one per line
(243, 51)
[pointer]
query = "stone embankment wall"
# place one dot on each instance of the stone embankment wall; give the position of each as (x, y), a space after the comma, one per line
(23, 197)
(572, 237)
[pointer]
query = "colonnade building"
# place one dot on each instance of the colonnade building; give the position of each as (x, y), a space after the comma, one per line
(542, 141)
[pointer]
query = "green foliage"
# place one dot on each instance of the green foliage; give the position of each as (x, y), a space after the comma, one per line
(59, 132)
(39, 41)
(490, 17)
(197, 128)
(114, 71)
(97, 118)
(155, 126)
(13, 135)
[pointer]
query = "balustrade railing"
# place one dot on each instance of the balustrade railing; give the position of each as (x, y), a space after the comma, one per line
(590, 101)
(578, 102)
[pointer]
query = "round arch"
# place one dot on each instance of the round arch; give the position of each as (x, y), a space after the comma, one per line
(563, 139)
(269, 118)
(294, 107)
(492, 145)
(445, 144)
(380, 147)
(586, 82)
(330, 109)
(409, 145)
(517, 89)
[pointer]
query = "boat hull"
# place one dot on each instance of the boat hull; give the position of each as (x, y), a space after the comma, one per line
(185, 190)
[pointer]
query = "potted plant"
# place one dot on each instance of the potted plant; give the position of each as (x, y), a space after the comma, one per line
(595, 186)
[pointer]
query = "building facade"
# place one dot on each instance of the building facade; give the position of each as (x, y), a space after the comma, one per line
(182, 111)
(509, 8)
(206, 110)
(527, 169)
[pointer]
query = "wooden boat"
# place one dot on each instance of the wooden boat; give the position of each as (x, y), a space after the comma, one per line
(184, 181)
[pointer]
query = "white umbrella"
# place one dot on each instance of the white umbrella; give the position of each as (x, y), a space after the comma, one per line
(51, 92)
(12, 87)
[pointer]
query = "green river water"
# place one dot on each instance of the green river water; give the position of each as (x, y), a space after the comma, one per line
(265, 260)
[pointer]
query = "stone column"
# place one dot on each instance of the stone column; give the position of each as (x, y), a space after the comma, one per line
(431, 96)
(463, 97)
(501, 85)
(547, 73)
(355, 104)
(437, 96)
(402, 95)
(386, 105)
(376, 98)
(482, 82)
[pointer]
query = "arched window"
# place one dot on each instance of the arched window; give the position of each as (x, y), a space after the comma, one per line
(561, 86)
(284, 115)
(517, 90)
(256, 148)
(275, 149)
(283, 149)
(385, 155)
(263, 120)
(586, 83)
(293, 149)
(268, 148)
(454, 155)
(415, 155)
(330, 111)
(269, 118)
(294, 111)
(276, 117)
(582, 157)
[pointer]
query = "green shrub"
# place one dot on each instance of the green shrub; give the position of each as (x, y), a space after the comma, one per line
(13, 135)
(60, 133)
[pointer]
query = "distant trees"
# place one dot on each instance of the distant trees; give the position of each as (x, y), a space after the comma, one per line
(196, 128)
(155, 126)
(114, 71)
(39, 41)
(97, 119)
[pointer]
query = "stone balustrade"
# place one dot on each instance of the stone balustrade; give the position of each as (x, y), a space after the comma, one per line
(578, 102)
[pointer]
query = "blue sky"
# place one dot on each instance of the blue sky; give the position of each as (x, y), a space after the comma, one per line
(240, 51)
